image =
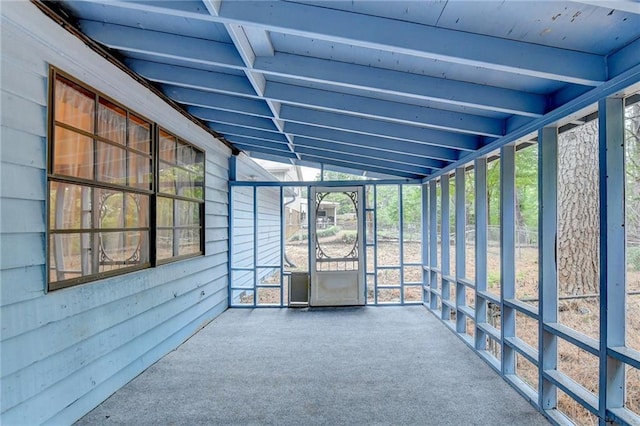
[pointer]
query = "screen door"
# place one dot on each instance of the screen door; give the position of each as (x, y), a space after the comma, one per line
(337, 267)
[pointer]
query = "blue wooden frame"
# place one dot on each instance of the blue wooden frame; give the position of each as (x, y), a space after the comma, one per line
(254, 187)
(609, 404)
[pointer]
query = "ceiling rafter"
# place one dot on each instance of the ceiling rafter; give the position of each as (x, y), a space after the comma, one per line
(396, 112)
(369, 152)
(370, 141)
(373, 127)
(120, 37)
(374, 32)
(412, 86)
(311, 82)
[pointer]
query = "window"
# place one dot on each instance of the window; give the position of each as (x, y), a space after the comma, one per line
(101, 189)
(180, 207)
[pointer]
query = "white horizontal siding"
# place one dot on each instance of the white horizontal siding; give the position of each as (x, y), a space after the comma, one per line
(65, 351)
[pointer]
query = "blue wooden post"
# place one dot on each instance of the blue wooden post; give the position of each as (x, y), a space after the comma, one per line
(433, 249)
(507, 253)
(460, 251)
(426, 223)
(481, 250)
(444, 246)
(612, 245)
(548, 279)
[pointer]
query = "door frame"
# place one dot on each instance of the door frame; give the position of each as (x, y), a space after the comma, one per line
(316, 277)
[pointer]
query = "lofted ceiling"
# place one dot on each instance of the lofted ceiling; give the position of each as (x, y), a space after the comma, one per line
(389, 88)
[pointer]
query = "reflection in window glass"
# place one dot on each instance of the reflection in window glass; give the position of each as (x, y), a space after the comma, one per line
(74, 105)
(139, 134)
(111, 164)
(112, 122)
(72, 154)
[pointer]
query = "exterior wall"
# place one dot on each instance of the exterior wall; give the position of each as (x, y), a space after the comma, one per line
(66, 351)
(266, 251)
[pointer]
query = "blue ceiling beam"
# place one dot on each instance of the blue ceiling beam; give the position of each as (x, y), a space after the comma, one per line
(475, 50)
(241, 141)
(418, 40)
(217, 101)
(371, 153)
(282, 154)
(232, 118)
(630, 6)
(624, 59)
(622, 84)
(379, 128)
(226, 129)
(359, 160)
(368, 142)
(234, 85)
(163, 45)
(349, 164)
(386, 110)
(192, 78)
(414, 86)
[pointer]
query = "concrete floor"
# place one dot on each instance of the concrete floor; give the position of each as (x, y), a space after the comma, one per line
(373, 365)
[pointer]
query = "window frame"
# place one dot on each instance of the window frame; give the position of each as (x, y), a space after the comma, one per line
(177, 197)
(152, 191)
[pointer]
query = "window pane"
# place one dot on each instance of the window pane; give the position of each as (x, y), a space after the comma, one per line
(186, 155)
(164, 212)
(188, 213)
(70, 256)
(110, 207)
(196, 188)
(112, 122)
(111, 164)
(72, 154)
(121, 249)
(164, 243)
(189, 241)
(167, 147)
(137, 210)
(139, 134)
(139, 171)
(74, 105)
(167, 179)
(184, 182)
(70, 206)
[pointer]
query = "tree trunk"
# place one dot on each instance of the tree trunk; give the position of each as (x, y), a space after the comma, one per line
(578, 210)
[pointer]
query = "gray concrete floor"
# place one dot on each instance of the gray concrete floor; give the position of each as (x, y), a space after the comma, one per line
(373, 365)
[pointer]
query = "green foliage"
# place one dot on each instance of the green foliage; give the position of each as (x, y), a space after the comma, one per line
(321, 233)
(349, 237)
(633, 258)
(330, 175)
(493, 279)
